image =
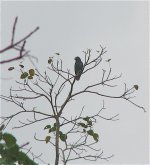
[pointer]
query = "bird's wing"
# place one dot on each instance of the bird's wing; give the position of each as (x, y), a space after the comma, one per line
(78, 67)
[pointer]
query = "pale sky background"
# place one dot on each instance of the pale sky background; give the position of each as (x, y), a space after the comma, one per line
(70, 28)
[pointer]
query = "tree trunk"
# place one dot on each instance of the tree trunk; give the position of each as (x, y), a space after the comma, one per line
(57, 141)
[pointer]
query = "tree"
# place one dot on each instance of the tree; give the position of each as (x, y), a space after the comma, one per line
(56, 85)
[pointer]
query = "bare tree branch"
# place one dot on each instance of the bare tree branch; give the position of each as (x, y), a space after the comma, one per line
(14, 45)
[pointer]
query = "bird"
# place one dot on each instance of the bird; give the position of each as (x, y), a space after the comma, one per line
(78, 67)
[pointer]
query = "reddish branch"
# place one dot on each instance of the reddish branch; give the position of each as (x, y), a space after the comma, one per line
(15, 45)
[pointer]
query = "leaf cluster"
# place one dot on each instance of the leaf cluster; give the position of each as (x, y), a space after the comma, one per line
(10, 152)
(62, 136)
(87, 128)
(28, 74)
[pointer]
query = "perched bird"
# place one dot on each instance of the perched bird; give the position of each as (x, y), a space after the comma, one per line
(78, 67)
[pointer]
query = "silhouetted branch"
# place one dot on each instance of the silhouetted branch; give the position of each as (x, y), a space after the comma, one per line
(15, 45)
(13, 32)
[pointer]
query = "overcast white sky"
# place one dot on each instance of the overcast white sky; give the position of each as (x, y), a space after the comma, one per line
(70, 28)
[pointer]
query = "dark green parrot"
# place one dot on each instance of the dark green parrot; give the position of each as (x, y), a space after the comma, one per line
(78, 67)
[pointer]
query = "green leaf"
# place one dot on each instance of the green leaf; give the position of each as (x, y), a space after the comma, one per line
(13, 150)
(10, 154)
(90, 132)
(60, 133)
(47, 139)
(136, 87)
(83, 125)
(54, 125)
(90, 123)
(52, 129)
(11, 68)
(1, 136)
(31, 72)
(47, 127)
(24, 75)
(86, 119)
(23, 159)
(30, 77)
(9, 139)
(50, 61)
(2, 160)
(62, 136)
(95, 137)
(2, 148)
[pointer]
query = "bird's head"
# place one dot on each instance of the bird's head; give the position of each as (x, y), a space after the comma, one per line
(77, 59)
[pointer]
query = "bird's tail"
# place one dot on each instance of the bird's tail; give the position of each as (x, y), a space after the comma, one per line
(77, 77)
